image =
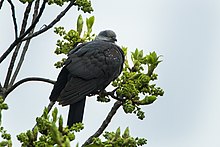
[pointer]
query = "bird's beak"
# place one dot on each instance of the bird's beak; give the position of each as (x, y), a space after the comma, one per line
(114, 39)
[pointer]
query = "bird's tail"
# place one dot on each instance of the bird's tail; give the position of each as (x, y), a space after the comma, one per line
(76, 111)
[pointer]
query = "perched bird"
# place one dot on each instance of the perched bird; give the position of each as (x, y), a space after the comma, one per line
(89, 69)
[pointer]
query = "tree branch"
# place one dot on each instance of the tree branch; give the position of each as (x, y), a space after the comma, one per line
(11, 47)
(1, 90)
(26, 80)
(25, 18)
(47, 27)
(1, 2)
(25, 46)
(14, 18)
(105, 123)
(14, 56)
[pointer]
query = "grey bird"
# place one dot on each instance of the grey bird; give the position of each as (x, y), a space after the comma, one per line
(89, 69)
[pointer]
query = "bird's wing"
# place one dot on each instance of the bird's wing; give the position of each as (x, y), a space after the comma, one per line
(75, 90)
(94, 60)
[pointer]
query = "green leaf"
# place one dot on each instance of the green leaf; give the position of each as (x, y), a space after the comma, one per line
(30, 135)
(54, 114)
(60, 123)
(45, 113)
(125, 50)
(117, 133)
(148, 99)
(35, 133)
(126, 133)
(55, 134)
(153, 59)
(140, 54)
(89, 23)
(67, 143)
(79, 24)
(3, 143)
(152, 98)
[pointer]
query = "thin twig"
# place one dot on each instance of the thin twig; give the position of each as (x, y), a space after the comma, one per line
(11, 47)
(25, 18)
(1, 90)
(11, 66)
(47, 27)
(25, 46)
(14, 18)
(1, 2)
(14, 56)
(27, 80)
(105, 123)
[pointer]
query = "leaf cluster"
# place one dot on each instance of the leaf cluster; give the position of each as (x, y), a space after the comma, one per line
(135, 86)
(5, 136)
(116, 139)
(57, 2)
(84, 5)
(3, 106)
(70, 39)
(49, 132)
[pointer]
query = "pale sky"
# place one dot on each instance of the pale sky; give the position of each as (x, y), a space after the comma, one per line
(185, 32)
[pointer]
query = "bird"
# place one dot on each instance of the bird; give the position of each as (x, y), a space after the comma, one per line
(90, 67)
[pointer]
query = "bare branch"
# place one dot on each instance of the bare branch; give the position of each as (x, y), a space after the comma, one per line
(11, 66)
(1, 89)
(25, 18)
(14, 56)
(47, 27)
(26, 80)
(14, 18)
(25, 46)
(1, 2)
(105, 123)
(11, 47)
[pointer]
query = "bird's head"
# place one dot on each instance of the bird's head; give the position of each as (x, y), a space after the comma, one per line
(107, 35)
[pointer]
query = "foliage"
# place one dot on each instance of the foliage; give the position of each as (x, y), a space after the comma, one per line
(134, 87)
(72, 38)
(83, 5)
(115, 139)
(49, 132)
(3, 106)
(5, 136)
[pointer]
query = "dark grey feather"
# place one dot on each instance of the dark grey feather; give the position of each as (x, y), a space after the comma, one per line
(89, 68)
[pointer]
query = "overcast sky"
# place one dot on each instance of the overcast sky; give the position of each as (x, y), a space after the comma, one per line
(185, 32)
